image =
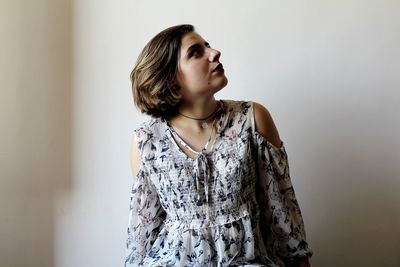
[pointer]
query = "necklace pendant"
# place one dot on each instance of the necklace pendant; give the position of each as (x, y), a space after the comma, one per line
(204, 125)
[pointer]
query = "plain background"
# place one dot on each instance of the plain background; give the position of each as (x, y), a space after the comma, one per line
(328, 71)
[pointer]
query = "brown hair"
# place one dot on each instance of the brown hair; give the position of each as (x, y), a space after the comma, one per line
(154, 90)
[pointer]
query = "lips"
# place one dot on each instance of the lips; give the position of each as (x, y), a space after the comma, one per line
(218, 67)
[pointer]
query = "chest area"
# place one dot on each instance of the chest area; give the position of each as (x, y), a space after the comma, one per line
(226, 172)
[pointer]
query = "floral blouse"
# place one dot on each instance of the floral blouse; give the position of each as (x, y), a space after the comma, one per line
(231, 205)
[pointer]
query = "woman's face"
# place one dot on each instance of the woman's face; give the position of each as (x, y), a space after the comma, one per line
(196, 73)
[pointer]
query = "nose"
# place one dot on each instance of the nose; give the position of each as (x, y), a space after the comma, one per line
(214, 55)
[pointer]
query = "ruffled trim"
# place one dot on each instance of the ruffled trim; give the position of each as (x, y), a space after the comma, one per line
(262, 140)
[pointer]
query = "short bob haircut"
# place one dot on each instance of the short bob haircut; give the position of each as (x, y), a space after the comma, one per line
(153, 77)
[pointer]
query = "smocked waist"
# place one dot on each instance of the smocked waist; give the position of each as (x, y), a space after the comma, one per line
(211, 216)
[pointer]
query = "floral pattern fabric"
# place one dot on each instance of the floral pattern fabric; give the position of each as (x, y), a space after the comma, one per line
(231, 205)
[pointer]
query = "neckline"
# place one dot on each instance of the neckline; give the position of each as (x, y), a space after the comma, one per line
(217, 122)
(186, 145)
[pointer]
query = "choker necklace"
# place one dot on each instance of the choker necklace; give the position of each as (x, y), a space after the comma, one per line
(204, 123)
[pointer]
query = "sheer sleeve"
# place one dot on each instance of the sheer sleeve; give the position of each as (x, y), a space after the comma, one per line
(281, 221)
(146, 218)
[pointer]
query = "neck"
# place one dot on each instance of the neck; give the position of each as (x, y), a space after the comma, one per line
(195, 109)
(198, 109)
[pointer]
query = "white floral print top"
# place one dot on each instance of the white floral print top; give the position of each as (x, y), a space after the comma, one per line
(233, 205)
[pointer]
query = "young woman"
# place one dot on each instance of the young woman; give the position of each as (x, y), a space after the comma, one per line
(212, 184)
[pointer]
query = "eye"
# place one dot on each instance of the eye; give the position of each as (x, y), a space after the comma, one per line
(196, 53)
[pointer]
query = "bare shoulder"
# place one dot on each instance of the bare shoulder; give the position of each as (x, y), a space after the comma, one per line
(135, 158)
(265, 125)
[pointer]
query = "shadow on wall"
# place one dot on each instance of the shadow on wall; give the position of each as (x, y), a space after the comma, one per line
(35, 119)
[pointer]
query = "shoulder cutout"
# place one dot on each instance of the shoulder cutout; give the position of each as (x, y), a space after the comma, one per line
(264, 124)
(135, 158)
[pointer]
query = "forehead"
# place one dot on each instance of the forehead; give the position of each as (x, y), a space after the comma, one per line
(190, 38)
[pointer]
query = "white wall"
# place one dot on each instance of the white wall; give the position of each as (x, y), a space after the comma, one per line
(35, 80)
(325, 69)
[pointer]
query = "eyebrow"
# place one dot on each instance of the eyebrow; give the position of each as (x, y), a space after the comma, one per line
(195, 45)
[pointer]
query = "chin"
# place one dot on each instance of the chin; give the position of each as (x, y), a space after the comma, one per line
(219, 88)
(216, 87)
(226, 82)
(223, 84)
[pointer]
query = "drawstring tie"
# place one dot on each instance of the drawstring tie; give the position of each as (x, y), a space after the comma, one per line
(201, 168)
(201, 175)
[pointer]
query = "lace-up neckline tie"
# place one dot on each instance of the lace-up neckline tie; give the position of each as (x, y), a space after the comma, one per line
(201, 168)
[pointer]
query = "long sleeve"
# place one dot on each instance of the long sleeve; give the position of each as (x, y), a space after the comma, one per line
(281, 221)
(146, 218)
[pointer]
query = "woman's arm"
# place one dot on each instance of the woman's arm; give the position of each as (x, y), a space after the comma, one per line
(265, 126)
(135, 158)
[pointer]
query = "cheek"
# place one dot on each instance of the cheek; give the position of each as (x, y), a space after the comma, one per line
(195, 73)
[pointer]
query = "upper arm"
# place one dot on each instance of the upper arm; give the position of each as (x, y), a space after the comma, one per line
(135, 158)
(265, 125)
